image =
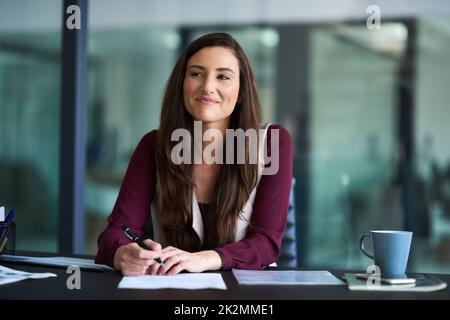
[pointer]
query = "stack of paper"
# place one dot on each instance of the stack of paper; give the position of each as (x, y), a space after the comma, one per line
(268, 277)
(8, 275)
(178, 281)
(57, 262)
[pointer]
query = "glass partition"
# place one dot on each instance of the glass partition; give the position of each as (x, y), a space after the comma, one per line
(30, 74)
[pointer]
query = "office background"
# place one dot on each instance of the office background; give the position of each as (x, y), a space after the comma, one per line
(367, 109)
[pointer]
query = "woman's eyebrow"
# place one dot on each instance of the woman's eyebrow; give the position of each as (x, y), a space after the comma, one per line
(203, 68)
(225, 69)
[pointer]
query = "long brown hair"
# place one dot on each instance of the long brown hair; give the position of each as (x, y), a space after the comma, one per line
(175, 183)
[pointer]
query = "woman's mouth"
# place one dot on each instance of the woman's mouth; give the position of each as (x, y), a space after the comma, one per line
(207, 100)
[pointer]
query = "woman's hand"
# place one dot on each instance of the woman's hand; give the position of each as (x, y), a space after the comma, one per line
(132, 260)
(176, 260)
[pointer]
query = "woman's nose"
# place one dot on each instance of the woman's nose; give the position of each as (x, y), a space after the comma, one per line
(209, 86)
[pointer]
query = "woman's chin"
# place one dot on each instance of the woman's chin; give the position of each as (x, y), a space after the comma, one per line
(209, 118)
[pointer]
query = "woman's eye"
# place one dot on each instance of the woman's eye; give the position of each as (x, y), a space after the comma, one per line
(224, 77)
(195, 74)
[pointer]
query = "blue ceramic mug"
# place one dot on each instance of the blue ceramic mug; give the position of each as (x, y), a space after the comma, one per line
(390, 251)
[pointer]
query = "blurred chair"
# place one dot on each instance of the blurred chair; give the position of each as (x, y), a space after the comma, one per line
(288, 255)
(23, 187)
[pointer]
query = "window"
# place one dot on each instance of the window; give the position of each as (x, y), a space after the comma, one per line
(30, 47)
(128, 69)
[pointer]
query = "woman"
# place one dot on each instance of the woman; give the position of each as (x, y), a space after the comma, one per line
(206, 216)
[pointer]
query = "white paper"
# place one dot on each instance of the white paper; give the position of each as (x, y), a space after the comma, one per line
(269, 277)
(2, 214)
(8, 275)
(57, 261)
(178, 281)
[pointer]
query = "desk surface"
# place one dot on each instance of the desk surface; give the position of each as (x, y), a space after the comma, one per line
(98, 285)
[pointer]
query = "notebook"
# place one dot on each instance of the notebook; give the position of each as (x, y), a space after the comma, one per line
(424, 283)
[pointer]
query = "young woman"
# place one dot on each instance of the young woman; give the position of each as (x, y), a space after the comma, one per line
(205, 216)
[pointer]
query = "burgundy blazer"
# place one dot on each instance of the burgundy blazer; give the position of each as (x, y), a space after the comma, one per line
(257, 250)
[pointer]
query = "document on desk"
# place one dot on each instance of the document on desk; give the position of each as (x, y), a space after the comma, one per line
(8, 275)
(88, 264)
(288, 277)
(178, 281)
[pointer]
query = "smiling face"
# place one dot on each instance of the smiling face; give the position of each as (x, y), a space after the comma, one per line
(211, 85)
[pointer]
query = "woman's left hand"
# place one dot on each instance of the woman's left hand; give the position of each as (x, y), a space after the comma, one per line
(176, 260)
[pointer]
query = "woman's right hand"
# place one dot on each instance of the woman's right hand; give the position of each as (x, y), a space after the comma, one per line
(132, 260)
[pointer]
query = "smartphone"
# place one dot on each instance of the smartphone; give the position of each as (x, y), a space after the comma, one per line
(401, 280)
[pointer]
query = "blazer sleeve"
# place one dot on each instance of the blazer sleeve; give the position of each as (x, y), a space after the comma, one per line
(133, 203)
(261, 246)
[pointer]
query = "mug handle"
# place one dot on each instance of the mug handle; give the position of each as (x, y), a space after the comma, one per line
(363, 250)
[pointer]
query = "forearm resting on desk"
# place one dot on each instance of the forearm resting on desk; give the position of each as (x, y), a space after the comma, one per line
(212, 259)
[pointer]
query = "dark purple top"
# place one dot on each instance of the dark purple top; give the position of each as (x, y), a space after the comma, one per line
(257, 250)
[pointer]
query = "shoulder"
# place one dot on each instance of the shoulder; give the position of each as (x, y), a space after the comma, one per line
(149, 139)
(147, 144)
(283, 134)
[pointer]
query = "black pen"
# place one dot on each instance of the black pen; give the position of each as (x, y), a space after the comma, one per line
(132, 236)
